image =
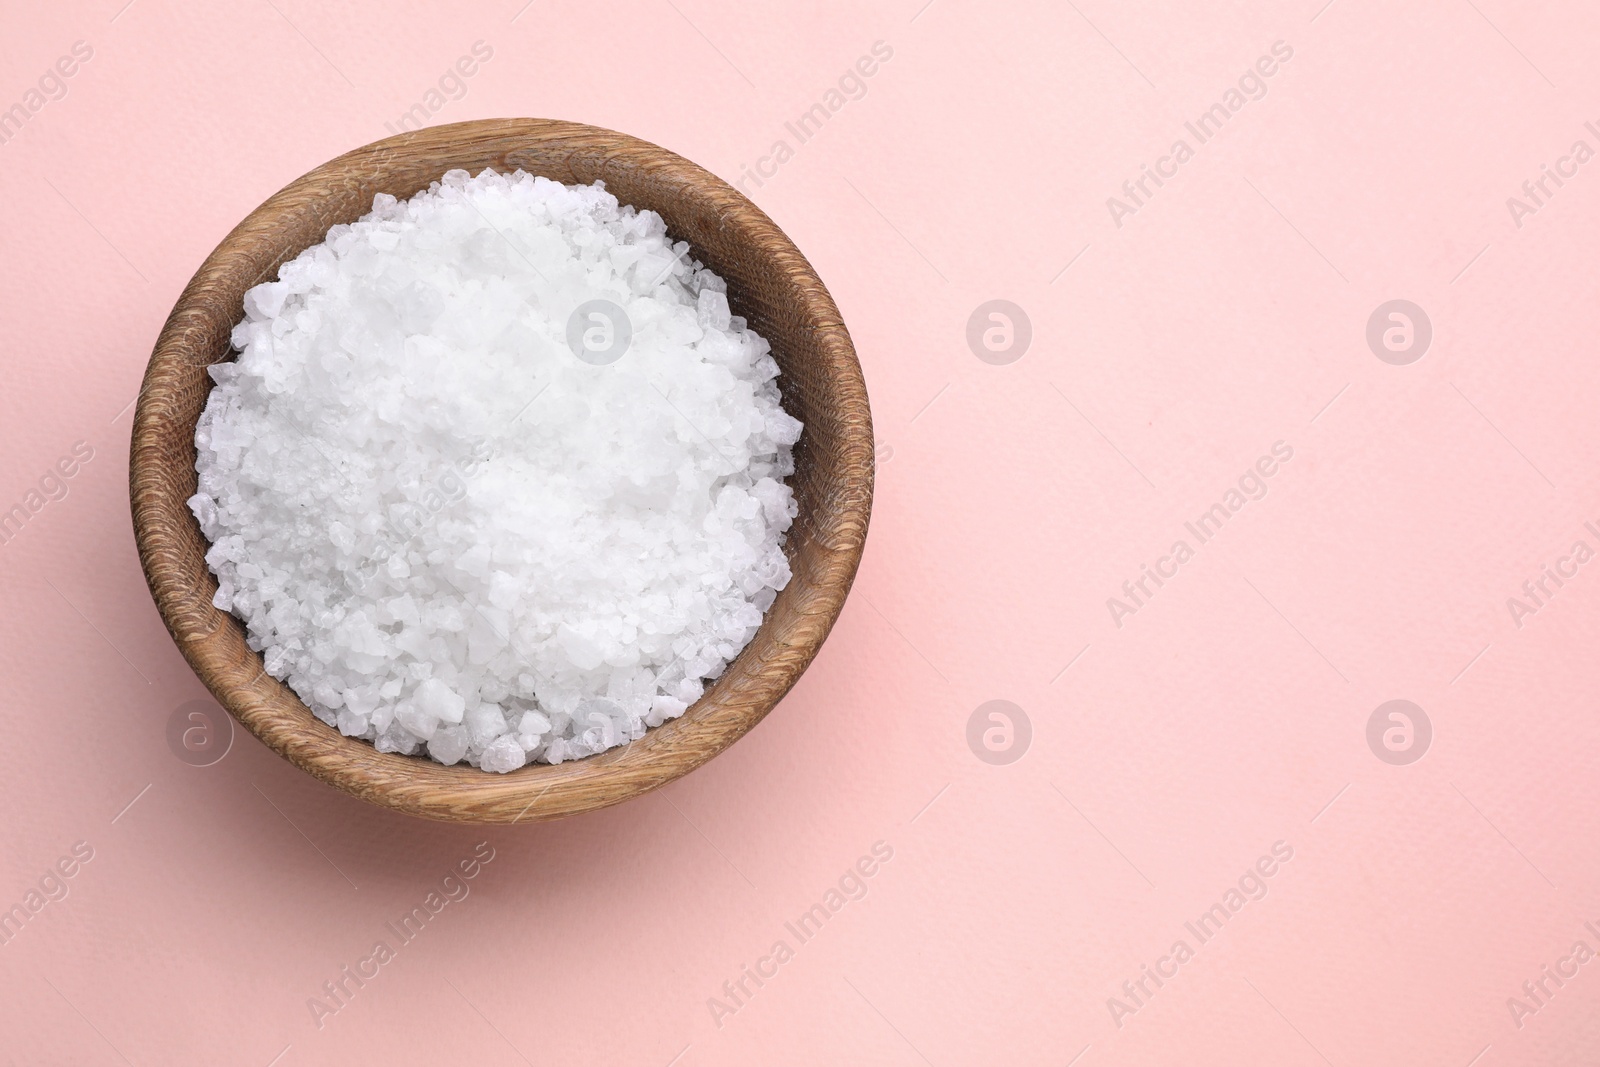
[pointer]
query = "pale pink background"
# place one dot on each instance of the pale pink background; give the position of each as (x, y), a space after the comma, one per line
(1223, 717)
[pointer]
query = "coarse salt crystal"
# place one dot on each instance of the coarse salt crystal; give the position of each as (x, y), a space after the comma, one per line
(453, 532)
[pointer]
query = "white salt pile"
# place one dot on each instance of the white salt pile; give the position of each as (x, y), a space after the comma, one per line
(496, 475)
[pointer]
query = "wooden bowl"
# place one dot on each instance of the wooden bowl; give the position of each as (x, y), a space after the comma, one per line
(769, 282)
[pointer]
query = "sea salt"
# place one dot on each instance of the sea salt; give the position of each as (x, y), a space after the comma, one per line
(496, 476)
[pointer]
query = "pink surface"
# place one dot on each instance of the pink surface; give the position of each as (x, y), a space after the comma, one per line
(1176, 741)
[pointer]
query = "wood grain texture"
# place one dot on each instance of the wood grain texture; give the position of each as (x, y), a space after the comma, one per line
(769, 282)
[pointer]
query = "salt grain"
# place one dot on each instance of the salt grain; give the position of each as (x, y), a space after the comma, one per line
(451, 532)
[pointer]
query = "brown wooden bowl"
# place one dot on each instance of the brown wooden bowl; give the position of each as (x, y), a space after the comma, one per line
(769, 282)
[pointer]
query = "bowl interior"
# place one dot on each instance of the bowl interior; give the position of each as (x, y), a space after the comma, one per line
(769, 282)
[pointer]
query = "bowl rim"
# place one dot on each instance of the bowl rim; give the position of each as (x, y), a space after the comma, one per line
(169, 539)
